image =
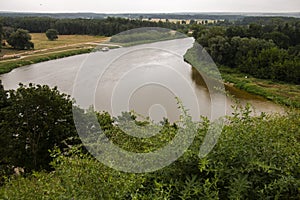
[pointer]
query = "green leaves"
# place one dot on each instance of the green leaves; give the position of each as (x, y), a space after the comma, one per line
(253, 153)
(52, 34)
(34, 119)
(255, 157)
(20, 40)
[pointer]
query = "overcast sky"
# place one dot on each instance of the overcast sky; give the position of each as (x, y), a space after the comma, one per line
(123, 6)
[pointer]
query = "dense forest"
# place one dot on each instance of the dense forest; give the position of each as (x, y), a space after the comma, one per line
(267, 48)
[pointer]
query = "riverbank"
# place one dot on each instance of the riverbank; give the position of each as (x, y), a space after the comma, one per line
(277, 92)
(7, 66)
(281, 93)
(66, 45)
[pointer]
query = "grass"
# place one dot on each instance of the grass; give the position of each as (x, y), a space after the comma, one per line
(8, 66)
(144, 37)
(66, 45)
(279, 92)
(41, 42)
(10, 51)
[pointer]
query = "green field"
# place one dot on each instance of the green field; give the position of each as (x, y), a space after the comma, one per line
(66, 45)
(41, 42)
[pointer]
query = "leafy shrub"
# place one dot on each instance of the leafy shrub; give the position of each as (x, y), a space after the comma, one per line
(255, 158)
(76, 176)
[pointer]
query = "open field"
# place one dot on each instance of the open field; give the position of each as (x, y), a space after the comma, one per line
(66, 45)
(41, 42)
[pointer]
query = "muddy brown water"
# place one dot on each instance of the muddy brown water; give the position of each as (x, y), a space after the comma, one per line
(144, 78)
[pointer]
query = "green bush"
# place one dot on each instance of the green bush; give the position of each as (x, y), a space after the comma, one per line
(255, 158)
(76, 176)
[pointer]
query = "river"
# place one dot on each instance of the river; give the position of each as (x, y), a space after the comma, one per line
(144, 78)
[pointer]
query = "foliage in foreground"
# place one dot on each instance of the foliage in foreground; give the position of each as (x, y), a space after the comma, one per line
(76, 176)
(255, 158)
(33, 120)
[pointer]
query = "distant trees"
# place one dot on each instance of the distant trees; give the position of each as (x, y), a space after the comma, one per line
(107, 27)
(52, 34)
(235, 31)
(7, 31)
(279, 38)
(1, 34)
(20, 39)
(193, 21)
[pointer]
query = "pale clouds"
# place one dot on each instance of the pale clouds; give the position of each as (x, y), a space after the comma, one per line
(115, 6)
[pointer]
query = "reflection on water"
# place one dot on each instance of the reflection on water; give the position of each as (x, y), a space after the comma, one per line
(198, 79)
(144, 78)
(235, 95)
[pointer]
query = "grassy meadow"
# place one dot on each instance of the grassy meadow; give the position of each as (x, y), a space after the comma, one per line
(44, 49)
(41, 42)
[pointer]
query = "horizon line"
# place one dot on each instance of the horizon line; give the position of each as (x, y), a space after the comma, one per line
(175, 12)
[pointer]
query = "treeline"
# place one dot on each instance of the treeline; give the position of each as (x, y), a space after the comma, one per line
(107, 27)
(182, 16)
(269, 51)
(1, 34)
(265, 20)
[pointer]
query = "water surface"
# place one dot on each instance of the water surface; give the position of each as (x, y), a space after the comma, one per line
(144, 78)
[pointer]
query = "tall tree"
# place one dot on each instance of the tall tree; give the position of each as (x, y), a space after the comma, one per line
(20, 40)
(34, 119)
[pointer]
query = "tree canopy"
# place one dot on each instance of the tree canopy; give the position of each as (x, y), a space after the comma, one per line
(20, 39)
(52, 34)
(1, 33)
(33, 120)
(107, 27)
(269, 51)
